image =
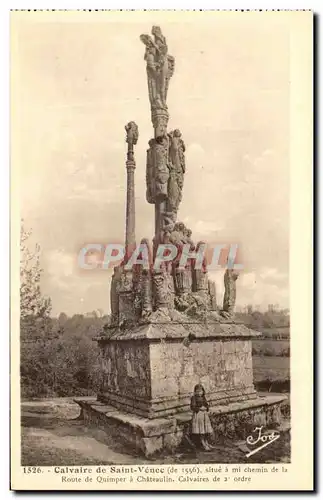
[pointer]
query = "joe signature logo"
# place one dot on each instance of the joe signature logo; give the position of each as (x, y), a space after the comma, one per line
(262, 439)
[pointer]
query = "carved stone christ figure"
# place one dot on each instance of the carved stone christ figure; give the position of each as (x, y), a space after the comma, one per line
(160, 67)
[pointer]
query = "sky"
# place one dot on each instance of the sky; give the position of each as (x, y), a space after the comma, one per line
(76, 85)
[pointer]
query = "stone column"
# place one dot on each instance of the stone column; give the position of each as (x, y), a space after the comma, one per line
(132, 137)
(130, 210)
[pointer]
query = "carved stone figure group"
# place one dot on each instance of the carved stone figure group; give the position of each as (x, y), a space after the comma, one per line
(160, 67)
(165, 171)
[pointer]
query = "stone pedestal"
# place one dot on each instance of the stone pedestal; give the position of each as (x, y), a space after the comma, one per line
(150, 437)
(151, 370)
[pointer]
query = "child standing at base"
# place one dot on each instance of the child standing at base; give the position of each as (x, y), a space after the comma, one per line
(201, 425)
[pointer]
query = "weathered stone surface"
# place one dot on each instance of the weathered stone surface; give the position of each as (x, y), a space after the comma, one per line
(229, 300)
(126, 368)
(173, 440)
(155, 376)
(151, 445)
(149, 437)
(180, 329)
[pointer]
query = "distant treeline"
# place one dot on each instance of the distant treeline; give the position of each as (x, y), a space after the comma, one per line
(269, 322)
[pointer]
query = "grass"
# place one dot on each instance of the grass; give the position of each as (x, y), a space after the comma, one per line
(270, 347)
(272, 368)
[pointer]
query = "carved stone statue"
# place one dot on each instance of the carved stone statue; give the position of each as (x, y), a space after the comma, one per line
(146, 284)
(192, 304)
(146, 293)
(150, 58)
(161, 169)
(131, 139)
(114, 296)
(212, 295)
(177, 169)
(229, 299)
(126, 297)
(161, 290)
(169, 223)
(176, 153)
(177, 235)
(150, 172)
(165, 168)
(188, 237)
(132, 133)
(160, 67)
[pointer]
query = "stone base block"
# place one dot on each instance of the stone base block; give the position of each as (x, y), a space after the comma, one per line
(150, 437)
(151, 369)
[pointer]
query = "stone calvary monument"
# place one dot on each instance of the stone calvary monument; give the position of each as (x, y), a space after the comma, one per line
(167, 332)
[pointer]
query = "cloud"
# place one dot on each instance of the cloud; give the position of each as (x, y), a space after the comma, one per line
(61, 266)
(270, 273)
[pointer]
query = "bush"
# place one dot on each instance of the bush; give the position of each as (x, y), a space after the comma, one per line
(59, 367)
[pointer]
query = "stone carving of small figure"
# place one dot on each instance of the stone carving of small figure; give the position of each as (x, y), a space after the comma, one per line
(132, 133)
(114, 296)
(177, 150)
(173, 191)
(175, 235)
(143, 290)
(183, 302)
(150, 172)
(204, 262)
(170, 289)
(229, 299)
(160, 289)
(212, 295)
(188, 237)
(150, 56)
(177, 170)
(181, 230)
(146, 294)
(161, 169)
(193, 304)
(161, 63)
(201, 428)
(168, 222)
(177, 238)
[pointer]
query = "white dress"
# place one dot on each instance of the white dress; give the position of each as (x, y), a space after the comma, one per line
(201, 423)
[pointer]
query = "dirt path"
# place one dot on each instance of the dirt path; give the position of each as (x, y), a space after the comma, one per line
(53, 435)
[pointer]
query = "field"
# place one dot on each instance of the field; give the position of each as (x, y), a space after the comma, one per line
(281, 333)
(270, 368)
(271, 361)
(270, 347)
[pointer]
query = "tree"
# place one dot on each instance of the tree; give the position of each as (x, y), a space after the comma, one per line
(34, 307)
